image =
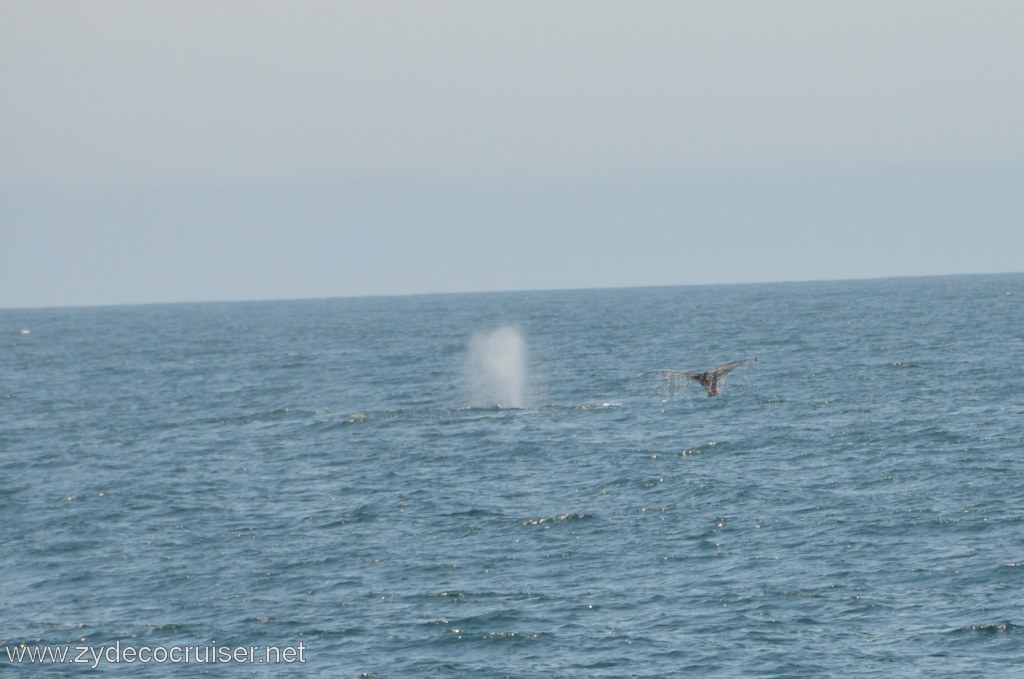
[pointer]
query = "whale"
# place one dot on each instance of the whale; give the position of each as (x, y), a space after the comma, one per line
(711, 380)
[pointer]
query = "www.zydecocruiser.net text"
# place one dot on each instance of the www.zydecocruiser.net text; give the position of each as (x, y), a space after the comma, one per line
(118, 653)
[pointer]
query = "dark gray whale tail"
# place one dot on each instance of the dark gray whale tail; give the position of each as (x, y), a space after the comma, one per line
(711, 380)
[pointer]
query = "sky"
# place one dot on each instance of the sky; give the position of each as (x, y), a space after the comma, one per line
(229, 150)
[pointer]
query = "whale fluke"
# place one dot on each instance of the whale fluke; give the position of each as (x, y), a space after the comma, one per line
(710, 379)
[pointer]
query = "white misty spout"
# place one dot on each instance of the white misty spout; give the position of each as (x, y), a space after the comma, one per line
(496, 368)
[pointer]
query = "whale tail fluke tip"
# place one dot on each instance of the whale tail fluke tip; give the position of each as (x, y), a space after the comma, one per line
(709, 379)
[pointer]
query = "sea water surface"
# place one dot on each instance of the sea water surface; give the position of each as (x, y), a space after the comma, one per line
(481, 485)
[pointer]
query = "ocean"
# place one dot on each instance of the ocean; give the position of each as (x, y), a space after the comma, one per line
(482, 485)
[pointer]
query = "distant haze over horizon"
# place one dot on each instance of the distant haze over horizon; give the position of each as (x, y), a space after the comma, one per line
(191, 151)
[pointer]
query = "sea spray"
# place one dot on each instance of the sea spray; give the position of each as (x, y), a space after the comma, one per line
(496, 368)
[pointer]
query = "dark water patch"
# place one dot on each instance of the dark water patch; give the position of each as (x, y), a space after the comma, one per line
(365, 513)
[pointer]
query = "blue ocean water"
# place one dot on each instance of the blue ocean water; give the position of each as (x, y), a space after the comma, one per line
(337, 473)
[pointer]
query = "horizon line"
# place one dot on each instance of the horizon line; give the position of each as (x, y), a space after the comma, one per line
(386, 295)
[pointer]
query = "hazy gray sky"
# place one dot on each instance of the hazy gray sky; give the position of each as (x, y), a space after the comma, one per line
(171, 151)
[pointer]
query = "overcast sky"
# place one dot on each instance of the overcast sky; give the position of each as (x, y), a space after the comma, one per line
(182, 150)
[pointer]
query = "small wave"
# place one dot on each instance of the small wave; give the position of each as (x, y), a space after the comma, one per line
(450, 595)
(568, 516)
(472, 514)
(509, 636)
(263, 417)
(698, 450)
(603, 405)
(490, 409)
(988, 629)
(317, 419)
(328, 421)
